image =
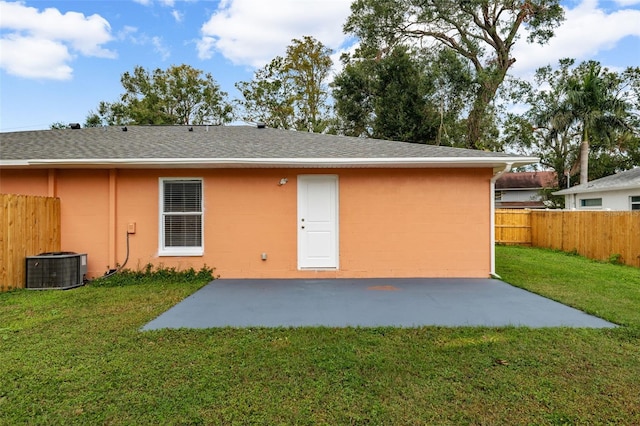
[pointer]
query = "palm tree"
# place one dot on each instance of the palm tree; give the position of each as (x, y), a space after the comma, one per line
(553, 122)
(596, 108)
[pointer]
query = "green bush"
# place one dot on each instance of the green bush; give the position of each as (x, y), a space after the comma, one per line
(155, 274)
(616, 259)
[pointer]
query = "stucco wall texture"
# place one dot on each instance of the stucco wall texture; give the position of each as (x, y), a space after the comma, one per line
(392, 222)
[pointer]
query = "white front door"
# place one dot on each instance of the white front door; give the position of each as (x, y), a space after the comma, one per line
(317, 221)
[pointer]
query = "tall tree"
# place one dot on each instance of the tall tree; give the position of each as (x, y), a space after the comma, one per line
(482, 32)
(354, 91)
(402, 110)
(308, 63)
(453, 84)
(92, 120)
(403, 95)
(598, 110)
(291, 92)
(178, 95)
(386, 98)
(269, 97)
(546, 129)
(580, 115)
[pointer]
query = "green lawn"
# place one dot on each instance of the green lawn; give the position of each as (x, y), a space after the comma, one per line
(77, 357)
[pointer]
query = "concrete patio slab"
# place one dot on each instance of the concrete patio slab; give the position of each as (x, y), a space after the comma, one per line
(368, 303)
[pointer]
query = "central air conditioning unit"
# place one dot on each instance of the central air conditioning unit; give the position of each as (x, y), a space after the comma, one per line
(59, 270)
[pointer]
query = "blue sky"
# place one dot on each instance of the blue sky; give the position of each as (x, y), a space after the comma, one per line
(59, 59)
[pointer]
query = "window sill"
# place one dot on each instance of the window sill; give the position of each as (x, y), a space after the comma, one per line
(318, 268)
(181, 253)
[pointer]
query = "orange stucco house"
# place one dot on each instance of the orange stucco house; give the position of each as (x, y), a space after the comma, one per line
(262, 203)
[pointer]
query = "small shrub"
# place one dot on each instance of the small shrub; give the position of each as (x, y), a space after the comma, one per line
(159, 274)
(616, 259)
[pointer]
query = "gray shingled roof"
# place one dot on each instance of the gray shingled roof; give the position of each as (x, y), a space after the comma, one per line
(622, 180)
(212, 143)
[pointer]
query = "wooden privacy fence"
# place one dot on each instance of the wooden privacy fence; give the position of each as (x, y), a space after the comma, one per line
(600, 235)
(28, 226)
(597, 235)
(513, 227)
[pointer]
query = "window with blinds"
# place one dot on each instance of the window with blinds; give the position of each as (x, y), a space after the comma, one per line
(181, 217)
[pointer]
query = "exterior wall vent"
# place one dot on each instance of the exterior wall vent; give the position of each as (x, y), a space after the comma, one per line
(59, 270)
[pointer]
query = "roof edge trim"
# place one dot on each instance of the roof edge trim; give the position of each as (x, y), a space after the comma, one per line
(406, 161)
(571, 191)
(11, 163)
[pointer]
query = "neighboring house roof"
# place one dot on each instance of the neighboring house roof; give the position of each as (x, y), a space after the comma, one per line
(228, 146)
(527, 180)
(623, 180)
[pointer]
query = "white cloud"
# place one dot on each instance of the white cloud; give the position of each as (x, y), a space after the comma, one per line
(205, 47)
(37, 44)
(160, 48)
(168, 3)
(45, 59)
(131, 35)
(177, 15)
(627, 2)
(586, 31)
(127, 32)
(252, 33)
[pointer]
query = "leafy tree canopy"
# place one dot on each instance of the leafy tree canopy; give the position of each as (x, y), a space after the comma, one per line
(600, 109)
(291, 92)
(581, 119)
(178, 95)
(386, 98)
(58, 125)
(482, 32)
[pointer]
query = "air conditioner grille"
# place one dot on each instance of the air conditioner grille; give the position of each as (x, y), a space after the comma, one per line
(55, 271)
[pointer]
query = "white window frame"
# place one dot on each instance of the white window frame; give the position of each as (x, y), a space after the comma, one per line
(582, 201)
(633, 202)
(178, 251)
